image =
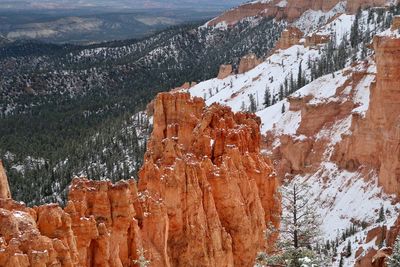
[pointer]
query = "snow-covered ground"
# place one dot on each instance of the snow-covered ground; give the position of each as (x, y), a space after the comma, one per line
(342, 197)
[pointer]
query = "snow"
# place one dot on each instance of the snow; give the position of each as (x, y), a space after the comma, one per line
(362, 95)
(282, 3)
(334, 133)
(312, 19)
(273, 113)
(344, 197)
(235, 89)
(323, 88)
(340, 27)
(390, 33)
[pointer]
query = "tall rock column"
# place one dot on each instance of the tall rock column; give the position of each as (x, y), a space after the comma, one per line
(4, 187)
(204, 166)
(385, 109)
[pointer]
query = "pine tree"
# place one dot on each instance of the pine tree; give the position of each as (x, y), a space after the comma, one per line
(141, 261)
(243, 106)
(354, 34)
(300, 77)
(394, 259)
(267, 98)
(291, 84)
(348, 249)
(381, 217)
(341, 261)
(283, 108)
(281, 93)
(253, 104)
(300, 223)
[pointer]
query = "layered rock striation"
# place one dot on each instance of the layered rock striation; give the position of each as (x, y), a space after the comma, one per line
(290, 10)
(204, 198)
(375, 139)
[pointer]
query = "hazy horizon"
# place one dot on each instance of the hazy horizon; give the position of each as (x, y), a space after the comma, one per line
(119, 4)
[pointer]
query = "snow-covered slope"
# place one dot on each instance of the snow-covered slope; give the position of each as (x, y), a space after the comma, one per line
(310, 122)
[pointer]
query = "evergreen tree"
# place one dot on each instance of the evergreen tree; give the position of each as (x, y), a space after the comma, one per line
(281, 93)
(354, 33)
(348, 249)
(253, 104)
(141, 261)
(341, 261)
(267, 98)
(300, 223)
(300, 76)
(283, 108)
(394, 259)
(243, 106)
(381, 217)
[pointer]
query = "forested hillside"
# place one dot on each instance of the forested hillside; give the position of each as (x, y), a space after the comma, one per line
(65, 110)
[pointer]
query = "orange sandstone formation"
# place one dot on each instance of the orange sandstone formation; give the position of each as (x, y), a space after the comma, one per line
(291, 10)
(290, 36)
(204, 198)
(224, 71)
(248, 62)
(4, 187)
(316, 39)
(375, 139)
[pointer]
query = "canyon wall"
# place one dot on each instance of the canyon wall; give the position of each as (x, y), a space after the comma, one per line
(375, 139)
(290, 10)
(205, 197)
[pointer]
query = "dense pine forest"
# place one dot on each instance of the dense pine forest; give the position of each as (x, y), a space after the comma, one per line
(69, 110)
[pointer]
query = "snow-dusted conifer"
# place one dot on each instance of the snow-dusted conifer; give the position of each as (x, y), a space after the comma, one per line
(394, 260)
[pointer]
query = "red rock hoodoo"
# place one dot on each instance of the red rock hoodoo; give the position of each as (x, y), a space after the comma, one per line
(248, 62)
(204, 198)
(4, 187)
(224, 71)
(290, 36)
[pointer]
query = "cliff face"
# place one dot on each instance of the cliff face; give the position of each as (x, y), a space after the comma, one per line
(348, 125)
(4, 187)
(204, 198)
(290, 36)
(375, 139)
(248, 62)
(290, 10)
(217, 190)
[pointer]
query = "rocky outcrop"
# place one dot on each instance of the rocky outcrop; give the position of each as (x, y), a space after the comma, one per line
(377, 258)
(375, 139)
(290, 10)
(212, 153)
(4, 187)
(290, 36)
(234, 15)
(35, 237)
(316, 39)
(205, 198)
(224, 71)
(396, 23)
(248, 62)
(354, 5)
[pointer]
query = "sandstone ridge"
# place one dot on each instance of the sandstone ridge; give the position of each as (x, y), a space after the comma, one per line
(290, 10)
(204, 198)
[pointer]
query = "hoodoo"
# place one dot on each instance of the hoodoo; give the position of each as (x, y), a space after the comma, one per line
(4, 187)
(204, 198)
